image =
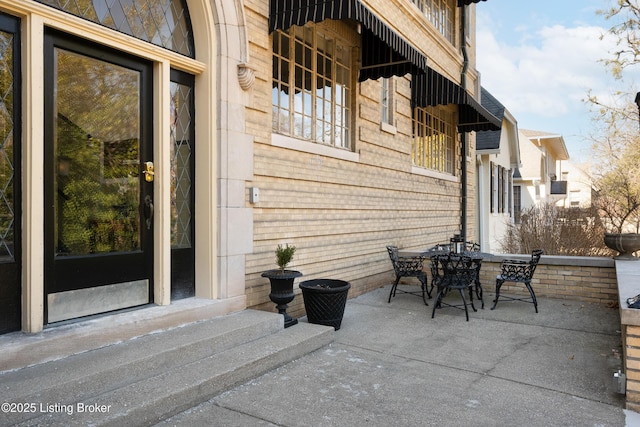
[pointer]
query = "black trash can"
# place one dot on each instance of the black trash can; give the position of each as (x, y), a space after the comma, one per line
(325, 300)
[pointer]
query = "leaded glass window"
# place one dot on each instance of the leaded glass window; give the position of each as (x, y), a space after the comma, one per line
(7, 127)
(181, 161)
(165, 23)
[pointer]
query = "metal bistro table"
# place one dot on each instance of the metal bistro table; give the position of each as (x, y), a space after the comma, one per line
(471, 250)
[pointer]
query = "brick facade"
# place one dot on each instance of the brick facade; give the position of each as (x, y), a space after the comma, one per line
(341, 211)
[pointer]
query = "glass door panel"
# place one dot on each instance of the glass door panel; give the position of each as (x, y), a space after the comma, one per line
(98, 157)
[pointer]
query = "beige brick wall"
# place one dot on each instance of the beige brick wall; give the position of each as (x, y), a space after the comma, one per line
(341, 214)
(578, 283)
(631, 347)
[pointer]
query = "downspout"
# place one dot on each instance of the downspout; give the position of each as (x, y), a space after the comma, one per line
(465, 135)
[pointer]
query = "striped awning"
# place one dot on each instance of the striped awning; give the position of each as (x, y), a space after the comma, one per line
(468, 2)
(384, 52)
(432, 88)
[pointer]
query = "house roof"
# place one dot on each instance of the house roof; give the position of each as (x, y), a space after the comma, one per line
(490, 140)
(553, 141)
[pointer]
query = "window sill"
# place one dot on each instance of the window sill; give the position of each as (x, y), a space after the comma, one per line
(433, 174)
(388, 128)
(290, 143)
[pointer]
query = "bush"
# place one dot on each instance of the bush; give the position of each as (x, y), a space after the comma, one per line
(559, 231)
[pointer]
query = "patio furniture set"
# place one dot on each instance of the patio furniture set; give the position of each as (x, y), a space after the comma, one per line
(456, 266)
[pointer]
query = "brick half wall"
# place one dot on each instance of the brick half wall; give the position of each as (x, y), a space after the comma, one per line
(588, 279)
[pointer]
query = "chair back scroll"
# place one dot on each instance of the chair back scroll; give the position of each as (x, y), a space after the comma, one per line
(459, 271)
(393, 253)
(520, 271)
(535, 259)
(405, 266)
(471, 247)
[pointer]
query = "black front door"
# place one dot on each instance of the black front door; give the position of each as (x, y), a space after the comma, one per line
(98, 179)
(10, 178)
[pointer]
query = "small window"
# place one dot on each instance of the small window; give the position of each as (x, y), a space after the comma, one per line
(505, 191)
(434, 138)
(517, 203)
(494, 187)
(387, 101)
(441, 13)
(312, 85)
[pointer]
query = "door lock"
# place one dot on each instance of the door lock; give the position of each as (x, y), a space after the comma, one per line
(148, 171)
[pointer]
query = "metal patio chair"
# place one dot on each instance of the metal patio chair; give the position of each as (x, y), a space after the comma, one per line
(518, 271)
(454, 272)
(469, 249)
(412, 266)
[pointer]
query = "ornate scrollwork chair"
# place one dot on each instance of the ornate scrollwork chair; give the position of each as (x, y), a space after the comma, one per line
(453, 272)
(408, 266)
(520, 272)
(469, 248)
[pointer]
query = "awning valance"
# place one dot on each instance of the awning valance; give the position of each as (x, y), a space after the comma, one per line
(432, 88)
(384, 52)
(468, 2)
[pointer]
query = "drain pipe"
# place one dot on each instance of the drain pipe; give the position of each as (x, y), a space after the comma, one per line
(465, 135)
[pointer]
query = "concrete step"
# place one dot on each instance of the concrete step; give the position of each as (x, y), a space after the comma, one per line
(149, 378)
(61, 340)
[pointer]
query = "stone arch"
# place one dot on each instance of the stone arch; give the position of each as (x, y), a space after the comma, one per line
(224, 161)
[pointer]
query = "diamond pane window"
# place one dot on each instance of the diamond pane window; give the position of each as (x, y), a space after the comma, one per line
(7, 172)
(181, 160)
(165, 23)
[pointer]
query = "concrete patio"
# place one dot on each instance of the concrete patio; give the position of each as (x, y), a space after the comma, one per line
(391, 364)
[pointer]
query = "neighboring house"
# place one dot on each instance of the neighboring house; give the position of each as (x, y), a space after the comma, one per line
(153, 150)
(540, 178)
(498, 156)
(579, 184)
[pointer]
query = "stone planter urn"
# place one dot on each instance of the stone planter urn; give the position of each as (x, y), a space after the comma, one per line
(325, 300)
(282, 291)
(625, 243)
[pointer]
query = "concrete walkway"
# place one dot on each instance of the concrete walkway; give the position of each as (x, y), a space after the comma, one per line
(393, 365)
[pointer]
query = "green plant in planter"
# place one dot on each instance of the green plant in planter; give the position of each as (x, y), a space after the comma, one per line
(284, 255)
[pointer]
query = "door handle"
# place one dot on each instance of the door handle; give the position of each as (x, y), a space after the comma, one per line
(148, 171)
(148, 210)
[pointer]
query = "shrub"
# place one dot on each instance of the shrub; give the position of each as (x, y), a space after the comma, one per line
(559, 231)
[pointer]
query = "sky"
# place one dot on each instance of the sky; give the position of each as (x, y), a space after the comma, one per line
(541, 58)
